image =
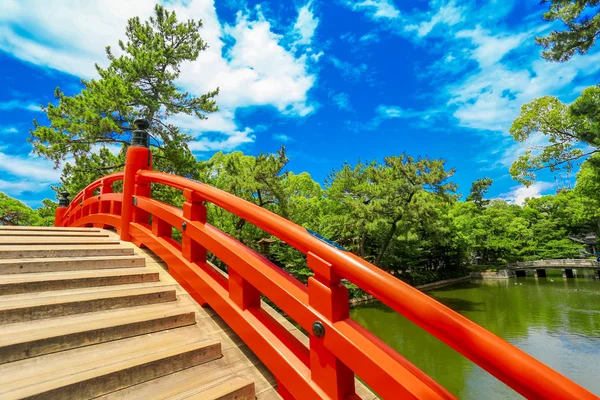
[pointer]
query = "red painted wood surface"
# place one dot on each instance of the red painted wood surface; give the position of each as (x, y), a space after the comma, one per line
(325, 369)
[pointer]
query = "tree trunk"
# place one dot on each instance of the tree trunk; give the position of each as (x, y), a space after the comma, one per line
(386, 242)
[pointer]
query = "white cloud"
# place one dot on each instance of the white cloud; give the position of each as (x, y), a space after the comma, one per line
(222, 122)
(519, 194)
(448, 14)
(305, 25)
(19, 105)
(230, 141)
(26, 173)
(351, 72)
(341, 100)
(282, 137)
(8, 130)
(377, 9)
(261, 68)
(30, 167)
(490, 98)
(17, 188)
(489, 48)
(387, 112)
(396, 112)
(369, 38)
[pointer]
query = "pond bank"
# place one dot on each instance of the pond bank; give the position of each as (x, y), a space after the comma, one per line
(428, 286)
(502, 274)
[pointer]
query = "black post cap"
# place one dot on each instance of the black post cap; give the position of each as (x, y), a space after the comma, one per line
(141, 123)
(63, 201)
(139, 137)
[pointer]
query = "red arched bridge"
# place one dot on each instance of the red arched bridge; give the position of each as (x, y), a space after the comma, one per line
(338, 348)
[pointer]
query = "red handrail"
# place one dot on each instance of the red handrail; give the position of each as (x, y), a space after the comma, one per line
(346, 348)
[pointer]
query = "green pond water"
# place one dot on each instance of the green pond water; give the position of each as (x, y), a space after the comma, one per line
(557, 322)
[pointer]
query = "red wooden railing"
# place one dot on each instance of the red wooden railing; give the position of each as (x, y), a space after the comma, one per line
(339, 348)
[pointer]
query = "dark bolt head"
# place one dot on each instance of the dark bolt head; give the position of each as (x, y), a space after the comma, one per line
(141, 124)
(318, 329)
(183, 226)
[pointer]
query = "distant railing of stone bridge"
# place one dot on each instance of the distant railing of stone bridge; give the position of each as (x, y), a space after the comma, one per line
(559, 263)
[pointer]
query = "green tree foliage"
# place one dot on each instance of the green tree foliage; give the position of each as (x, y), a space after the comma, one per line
(571, 131)
(582, 26)
(16, 213)
(139, 82)
(376, 200)
(587, 190)
(478, 190)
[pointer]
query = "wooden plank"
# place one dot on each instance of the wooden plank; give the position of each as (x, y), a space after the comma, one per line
(52, 234)
(28, 240)
(34, 265)
(56, 251)
(51, 281)
(118, 374)
(49, 336)
(26, 308)
(48, 228)
(235, 388)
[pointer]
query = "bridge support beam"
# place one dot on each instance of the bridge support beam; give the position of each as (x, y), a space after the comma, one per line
(520, 273)
(540, 273)
(568, 273)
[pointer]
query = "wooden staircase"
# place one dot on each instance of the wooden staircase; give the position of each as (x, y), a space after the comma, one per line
(82, 316)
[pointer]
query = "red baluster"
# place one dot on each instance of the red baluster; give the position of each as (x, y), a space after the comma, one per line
(330, 298)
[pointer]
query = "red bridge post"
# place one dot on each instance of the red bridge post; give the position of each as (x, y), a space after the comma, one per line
(138, 157)
(329, 297)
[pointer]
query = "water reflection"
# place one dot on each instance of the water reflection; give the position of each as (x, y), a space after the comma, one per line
(554, 319)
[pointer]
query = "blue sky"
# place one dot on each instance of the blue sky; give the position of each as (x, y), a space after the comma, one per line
(334, 80)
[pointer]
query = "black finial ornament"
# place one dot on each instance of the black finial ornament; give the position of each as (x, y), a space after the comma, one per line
(63, 201)
(139, 136)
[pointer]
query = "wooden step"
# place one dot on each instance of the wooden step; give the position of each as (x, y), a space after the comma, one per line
(75, 241)
(235, 388)
(35, 338)
(21, 308)
(33, 265)
(52, 234)
(234, 363)
(49, 281)
(48, 228)
(49, 251)
(120, 371)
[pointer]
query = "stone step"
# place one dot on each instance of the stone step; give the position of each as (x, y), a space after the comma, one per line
(52, 234)
(48, 228)
(29, 307)
(35, 338)
(93, 378)
(33, 265)
(75, 241)
(58, 251)
(49, 281)
(235, 388)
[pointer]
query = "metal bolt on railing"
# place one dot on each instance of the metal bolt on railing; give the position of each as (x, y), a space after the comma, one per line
(318, 329)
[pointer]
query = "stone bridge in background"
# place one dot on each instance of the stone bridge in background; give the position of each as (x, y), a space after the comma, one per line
(568, 266)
